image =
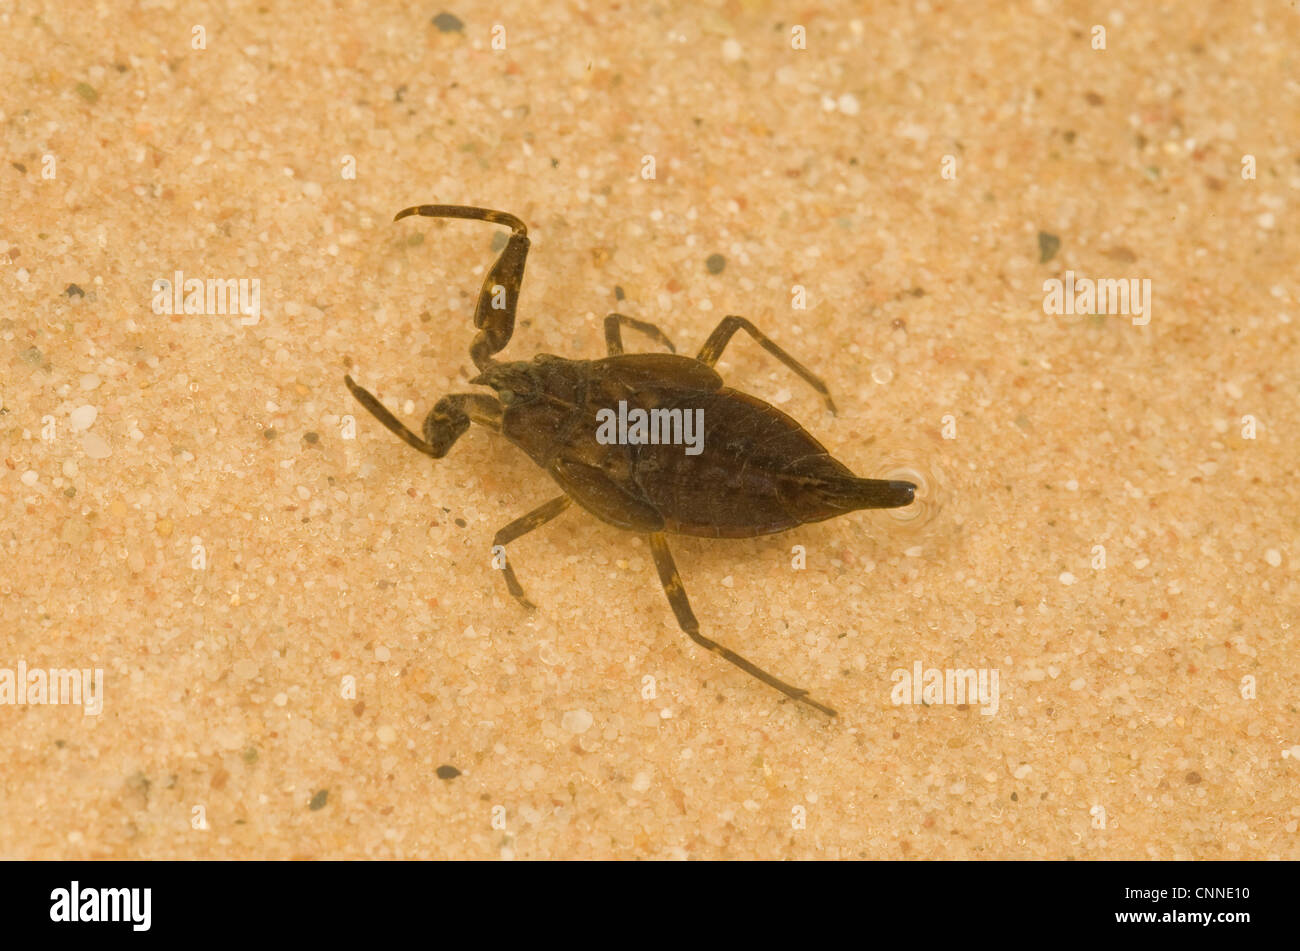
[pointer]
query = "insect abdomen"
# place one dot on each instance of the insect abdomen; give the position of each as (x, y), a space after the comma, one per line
(758, 472)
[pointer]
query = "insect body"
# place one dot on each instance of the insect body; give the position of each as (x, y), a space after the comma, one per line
(756, 471)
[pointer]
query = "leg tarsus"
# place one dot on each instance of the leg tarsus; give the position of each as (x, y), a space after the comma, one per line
(614, 335)
(444, 424)
(464, 211)
(391, 422)
(522, 526)
(723, 333)
(672, 582)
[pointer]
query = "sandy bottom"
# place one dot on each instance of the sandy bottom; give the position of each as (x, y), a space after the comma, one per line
(305, 650)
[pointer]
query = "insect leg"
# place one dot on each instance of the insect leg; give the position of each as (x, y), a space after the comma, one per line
(614, 335)
(522, 526)
(672, 582)
(444, 424)
(722, 335)
(497, 299)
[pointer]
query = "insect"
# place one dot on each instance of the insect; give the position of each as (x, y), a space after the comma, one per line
(757, 470)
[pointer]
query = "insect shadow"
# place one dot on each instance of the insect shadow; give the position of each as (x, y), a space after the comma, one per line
(756, 471)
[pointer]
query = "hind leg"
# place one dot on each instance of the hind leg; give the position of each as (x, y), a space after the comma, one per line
(722, 335)
(672, 582)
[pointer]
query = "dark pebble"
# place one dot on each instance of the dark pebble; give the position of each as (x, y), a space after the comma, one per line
(448, 22)
(318, 800)
(448, 772)
(1048, 245)
(74, 290)
(715, 263)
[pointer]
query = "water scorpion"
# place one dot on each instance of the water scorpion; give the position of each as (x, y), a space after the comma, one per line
(758, 471)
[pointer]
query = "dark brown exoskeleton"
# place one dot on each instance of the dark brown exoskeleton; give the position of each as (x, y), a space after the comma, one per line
(756, 472)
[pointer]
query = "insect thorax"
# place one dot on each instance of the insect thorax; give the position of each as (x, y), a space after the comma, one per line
(542, 399)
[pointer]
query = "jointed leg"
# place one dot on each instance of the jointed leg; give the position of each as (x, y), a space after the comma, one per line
(497, 299)
(672, 583)
(522, 526)
(444, 424)
(614, 336)
(721, 335)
